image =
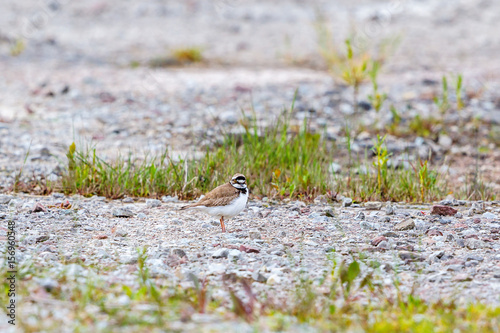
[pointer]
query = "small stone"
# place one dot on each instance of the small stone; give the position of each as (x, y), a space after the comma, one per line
(410, 256)
(346, 202)
(449, 237)
(360, 216)
(405, 225)
(128, 200)
(177, 221)
(259, 277)
(249, 249)
(434, 232)
(121, 233)
(122, 212)
(477, 207)
(473, 257)
(375, 241)
(39, 208)
(254, 234)
(168, 198)
(42, 238)
(220, 253)
(445, 141)
(57, 195)
(390, 234)
(5, 199)
(474, 244)
(373, 205)
(141, 216)
(323, 199)
(179, 252)
(384, 245)
(321, 219)
(455, 268)
(367, 225)
(389, 209)
(489, 215)
(152, 203)
(460, 242)
(458, 215)
(273, 279)
(443, 220)
(385, 219)
(443, 210)
(234, 255)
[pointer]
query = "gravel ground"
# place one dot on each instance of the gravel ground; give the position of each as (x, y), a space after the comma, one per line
(441, 256)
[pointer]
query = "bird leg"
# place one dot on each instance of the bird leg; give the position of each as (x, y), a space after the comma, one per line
(222, 224)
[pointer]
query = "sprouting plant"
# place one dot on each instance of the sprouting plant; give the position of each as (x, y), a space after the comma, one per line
(188, 55)
(20, 173)
(17, 47)
(426, 178)
(458, 92)
(377, 98)
(443, 103)
(381, 159)
(355, 71)
(396, 120)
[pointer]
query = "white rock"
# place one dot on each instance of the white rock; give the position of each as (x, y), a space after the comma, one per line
(273, 279)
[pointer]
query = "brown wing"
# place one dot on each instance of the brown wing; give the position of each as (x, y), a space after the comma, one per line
(219, 196)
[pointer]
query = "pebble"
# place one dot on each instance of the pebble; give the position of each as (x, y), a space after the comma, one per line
(346, 202)
(254, 234)
(474, 244)
(39, 208)
(489, 215)
(273, 279)
(444, 220)
(5, 199)
(443, 210)
(122, 212)
(152, 203)
(373, 205)
(168, 198)
(389, 209)
(220, 253)
(259, 277)
(234, 255)
(179, 252)
(360, 216)
(405, 225)
(121, 233)
(410, 256)
(377, 240)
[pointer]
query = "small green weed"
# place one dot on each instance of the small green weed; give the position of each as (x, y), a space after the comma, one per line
(377, 98)
(188, 55)
(17, 47)
(443, 102)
